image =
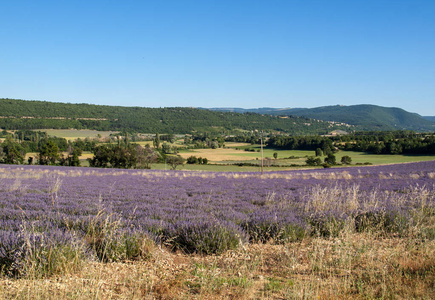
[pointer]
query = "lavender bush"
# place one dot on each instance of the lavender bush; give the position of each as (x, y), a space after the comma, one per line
(108, 214)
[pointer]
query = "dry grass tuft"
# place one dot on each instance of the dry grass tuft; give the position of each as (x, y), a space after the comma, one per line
(350, 266)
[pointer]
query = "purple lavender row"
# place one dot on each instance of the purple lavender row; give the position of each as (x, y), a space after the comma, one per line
(203, 212)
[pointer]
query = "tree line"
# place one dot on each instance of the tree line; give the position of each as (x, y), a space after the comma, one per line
(59, 151)
(390, 142)
(124, 153)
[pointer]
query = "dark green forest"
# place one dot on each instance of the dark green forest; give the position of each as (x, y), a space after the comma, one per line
(370, 117)
(25, 115)
(362, 116)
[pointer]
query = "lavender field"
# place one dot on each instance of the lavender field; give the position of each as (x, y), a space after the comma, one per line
(104, 214)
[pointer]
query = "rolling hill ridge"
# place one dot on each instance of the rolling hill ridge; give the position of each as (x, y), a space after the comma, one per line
(25, 114)
(363, 116)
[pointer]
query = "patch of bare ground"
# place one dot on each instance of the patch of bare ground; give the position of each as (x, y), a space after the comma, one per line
(350, 266)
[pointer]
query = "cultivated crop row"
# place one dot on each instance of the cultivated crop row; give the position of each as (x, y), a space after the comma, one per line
(51, 216)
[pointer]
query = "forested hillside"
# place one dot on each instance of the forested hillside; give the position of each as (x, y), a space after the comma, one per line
(23, 114)
(364, 117)
(371, 117)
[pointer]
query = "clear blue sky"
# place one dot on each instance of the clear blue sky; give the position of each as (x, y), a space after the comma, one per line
(248, 54)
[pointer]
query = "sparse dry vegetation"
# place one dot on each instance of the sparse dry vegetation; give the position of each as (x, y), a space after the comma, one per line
(350, 266)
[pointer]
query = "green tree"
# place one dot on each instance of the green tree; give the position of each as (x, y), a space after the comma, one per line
(102, 156)
(221, 142)
(115, 156)
(166, 148)
(48, 153)
(394, 148)
(319, 152)
(4, 133)
(187, 140)
(156, 141)
(174, 161)
(213, 144)
(327, 150)
(11, 152)
(146, 156)
(330, 159)
(123, 157)
(376, 148)
(346, 160)
(313, 161)
(73, 157)
(275, 155)
(171, 138)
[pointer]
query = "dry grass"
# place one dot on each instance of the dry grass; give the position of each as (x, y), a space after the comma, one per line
(220, 154)
(73, 134)
(351, 266)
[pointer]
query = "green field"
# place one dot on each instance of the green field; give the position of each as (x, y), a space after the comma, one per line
(281, 153)
(283, 162)
(228, 166)
(357, 157)
(208, 168)
(225, 160)
(380, 159)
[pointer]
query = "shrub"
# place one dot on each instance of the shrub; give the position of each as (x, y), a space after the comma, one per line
(37, 254)
(207, 237)
(325, 226)
(50, 255)
(312, 161)
(192, 160)
(11, 254)
(346, 160)
(125, 245)
(274, 227)
(382, 222)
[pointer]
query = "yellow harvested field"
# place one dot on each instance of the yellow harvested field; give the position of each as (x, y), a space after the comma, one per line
(86, 155)
(35, 155)
(218, 154)
(74, 134)
(235, 144)
(143, 143)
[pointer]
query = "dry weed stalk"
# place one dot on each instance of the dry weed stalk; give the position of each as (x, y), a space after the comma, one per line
(352, 266)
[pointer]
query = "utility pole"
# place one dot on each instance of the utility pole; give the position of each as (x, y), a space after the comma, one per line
(261, 143)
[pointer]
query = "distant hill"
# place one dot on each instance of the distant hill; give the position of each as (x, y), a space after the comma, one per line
(364, 116)
(24, 114)
(262, 110)
(430, 118)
